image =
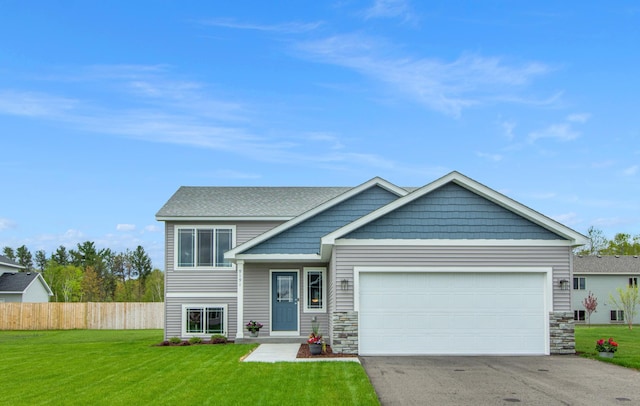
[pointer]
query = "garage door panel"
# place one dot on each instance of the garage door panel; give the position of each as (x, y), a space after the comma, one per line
(445, 313)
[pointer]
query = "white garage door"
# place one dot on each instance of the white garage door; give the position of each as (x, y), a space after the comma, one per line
(452, 313)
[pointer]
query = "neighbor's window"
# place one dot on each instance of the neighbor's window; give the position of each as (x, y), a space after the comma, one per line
(315, 286)
(617, 315)
(203, 247)
(633, 282)
(578, 315)
(204, 320)
(579, 283)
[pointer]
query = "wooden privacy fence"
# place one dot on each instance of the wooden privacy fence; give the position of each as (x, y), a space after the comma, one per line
(92, 316)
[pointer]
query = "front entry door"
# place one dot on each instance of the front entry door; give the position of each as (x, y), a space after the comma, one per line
(284, 301)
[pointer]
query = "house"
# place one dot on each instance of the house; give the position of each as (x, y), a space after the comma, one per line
(19, 286)
(7, 265)
(602, 276)
(452, 267)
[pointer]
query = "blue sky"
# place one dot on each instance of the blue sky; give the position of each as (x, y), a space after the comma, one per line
(106, 108)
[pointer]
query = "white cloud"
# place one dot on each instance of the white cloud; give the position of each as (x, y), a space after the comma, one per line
(578, 118)
(490, 157)
(126, 227)
(6, 224)
(508, 127)
(285, 28)
(390, 9)
(560, 132)
(570, 219)
(630, 171)
(444, 86)
(152, 228)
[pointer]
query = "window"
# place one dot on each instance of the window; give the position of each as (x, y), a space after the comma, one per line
(203, 247)
(315, 290)
(579, 283)
(617, 315)
(578, 315)
(633, 282)
(199, 320)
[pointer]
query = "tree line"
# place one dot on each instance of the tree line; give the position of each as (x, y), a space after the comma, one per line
(88, 274)
(621, 244)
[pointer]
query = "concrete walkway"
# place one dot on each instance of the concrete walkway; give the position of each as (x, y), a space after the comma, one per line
(286, 353)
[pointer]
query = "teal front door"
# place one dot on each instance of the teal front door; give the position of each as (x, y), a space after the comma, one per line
(284, 301)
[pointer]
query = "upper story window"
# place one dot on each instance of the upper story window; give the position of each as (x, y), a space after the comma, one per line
(315, 290)
(203, 246)
(579, 283)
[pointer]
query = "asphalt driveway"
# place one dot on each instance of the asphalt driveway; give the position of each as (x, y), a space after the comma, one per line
(550, 380)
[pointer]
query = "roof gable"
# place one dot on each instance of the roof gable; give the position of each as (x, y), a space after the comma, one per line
(19, 282)
(572, 237)
(383, 185)
(455, 213)
(304, 237)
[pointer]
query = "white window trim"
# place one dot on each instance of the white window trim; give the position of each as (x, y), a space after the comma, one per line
(618, 319)
(176, 253)
(183, 319)
(305, 288)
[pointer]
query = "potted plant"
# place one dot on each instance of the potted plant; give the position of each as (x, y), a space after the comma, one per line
(254, 328)
(315, 343)
(606, 348)
(315, 338)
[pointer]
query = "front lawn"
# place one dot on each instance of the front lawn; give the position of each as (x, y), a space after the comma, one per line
(628, 354)
(125, 368)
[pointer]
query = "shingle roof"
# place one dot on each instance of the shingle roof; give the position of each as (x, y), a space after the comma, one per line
(6, 261)
(16, 281)
(627, 264)
(190, 201)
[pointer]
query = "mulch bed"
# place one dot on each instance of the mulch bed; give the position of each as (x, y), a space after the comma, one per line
(304, 352)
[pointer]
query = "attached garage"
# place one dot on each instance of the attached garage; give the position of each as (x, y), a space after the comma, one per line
(453, 311)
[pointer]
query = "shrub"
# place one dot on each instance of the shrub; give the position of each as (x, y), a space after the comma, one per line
(175, 340)
(195, 340)
(218, 339)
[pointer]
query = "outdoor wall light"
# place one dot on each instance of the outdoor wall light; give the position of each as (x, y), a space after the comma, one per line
(344, 284)
(564, 284)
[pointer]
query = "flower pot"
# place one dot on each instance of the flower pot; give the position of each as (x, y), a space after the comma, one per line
(606, 354)
(254, 333)
(315, 349)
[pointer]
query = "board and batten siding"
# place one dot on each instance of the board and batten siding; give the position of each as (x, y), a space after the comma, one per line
(183, 286)
(347, 257)
(257, 297)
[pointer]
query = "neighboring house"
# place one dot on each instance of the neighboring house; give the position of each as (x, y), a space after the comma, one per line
(602, 275)
(453, 267)
(7, 265)
(16, 286)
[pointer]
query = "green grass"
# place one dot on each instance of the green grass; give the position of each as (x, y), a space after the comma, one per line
(628, 354)
(105, 367)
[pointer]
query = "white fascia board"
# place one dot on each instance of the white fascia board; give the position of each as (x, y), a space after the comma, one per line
(316, 210)
(17, 266)
(574, 237)
(629, 273)
(247, 258)
(457, 243)
(219, 218)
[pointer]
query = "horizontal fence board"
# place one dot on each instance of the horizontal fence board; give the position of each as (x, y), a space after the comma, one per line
(92, 316)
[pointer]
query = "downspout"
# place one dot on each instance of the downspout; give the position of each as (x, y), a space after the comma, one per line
(240, 297)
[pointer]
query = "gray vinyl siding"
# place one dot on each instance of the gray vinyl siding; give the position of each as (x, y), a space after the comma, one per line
(452, 212)
(173, 313)
(257, 297)
(304, 238)
(602, 286)
(463, 256)
(203, 281)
